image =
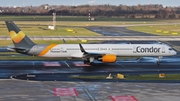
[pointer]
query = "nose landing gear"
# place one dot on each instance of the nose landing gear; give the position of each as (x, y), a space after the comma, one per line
(159, 58)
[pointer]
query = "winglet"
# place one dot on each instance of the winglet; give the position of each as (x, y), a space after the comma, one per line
(82, 49)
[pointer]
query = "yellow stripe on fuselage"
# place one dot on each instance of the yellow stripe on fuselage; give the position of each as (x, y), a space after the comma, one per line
(17, 37)
(47, 49)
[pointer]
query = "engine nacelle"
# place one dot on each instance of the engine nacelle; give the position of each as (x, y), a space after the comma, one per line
(109, 58)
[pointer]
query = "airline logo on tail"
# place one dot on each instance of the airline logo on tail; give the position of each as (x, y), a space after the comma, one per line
(17, 37)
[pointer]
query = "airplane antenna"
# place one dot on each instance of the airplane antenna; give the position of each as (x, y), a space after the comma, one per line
(64, 41)
(54, 19)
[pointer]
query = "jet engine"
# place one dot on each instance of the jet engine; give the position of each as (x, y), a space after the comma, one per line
(108, 58)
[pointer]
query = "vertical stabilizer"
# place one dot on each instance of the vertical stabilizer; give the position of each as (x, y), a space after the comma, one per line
(18, 37)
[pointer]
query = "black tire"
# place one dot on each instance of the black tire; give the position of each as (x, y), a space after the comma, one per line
(92, 63)
(85, 62)
(158, 63)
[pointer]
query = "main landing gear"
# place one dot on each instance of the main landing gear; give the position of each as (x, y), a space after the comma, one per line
(89, 61)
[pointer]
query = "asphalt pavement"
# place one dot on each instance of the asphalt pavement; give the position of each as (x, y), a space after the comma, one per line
(49, 81)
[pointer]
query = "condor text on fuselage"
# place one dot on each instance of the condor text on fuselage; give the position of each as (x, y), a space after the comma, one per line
(152, 49)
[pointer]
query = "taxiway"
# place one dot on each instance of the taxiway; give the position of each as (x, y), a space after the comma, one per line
(49, 81)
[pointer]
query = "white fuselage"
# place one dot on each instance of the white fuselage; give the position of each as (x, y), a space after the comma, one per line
(73, 50)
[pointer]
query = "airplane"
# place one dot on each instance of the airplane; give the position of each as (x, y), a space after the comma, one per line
(106, 53)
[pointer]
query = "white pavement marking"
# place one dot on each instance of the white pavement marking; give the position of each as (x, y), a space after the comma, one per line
(89, 94)
(15, 95)
(67, 64)
(12, 78)
(120, 64)
(4, 79)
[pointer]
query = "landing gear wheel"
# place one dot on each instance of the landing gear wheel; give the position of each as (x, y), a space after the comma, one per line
(86, 62)
(158, 63)
(91, 63)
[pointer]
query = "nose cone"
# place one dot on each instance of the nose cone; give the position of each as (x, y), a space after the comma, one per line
(174, 52)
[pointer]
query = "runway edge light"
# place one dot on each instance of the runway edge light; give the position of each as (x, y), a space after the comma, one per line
(109, 77)
(158, 30)
(120, 76)
(165, 32)
(162, 75)
(174, 33)
(83, 40)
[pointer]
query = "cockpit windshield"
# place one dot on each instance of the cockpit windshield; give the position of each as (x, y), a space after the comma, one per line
(170, 49)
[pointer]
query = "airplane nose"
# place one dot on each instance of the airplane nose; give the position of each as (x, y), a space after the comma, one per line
(174, 52)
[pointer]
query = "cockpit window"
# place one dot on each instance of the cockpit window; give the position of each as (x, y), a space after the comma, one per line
(170, 49)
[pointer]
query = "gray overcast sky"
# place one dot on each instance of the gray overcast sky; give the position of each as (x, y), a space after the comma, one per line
(80, 2)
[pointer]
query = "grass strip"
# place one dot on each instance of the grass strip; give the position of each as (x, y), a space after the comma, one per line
(137, 77)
